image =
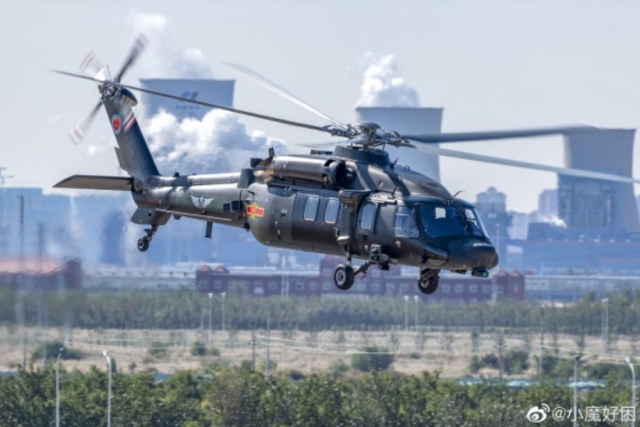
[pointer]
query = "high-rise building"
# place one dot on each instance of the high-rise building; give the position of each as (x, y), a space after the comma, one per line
(548, 203)
(492, 208)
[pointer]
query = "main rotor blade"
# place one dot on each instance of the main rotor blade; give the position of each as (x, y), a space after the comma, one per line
(498, 134)
(430, 149)
(138, 46)
(207, 104)
(264, 82)
(80, 130)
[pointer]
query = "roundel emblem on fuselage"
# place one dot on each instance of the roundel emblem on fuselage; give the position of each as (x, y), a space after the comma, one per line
(116, 124)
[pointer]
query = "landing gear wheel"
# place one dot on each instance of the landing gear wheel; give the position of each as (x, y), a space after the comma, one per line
(143, 244)
(428, 285)
(343, 277)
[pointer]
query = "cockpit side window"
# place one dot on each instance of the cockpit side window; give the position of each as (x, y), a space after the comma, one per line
(368, 217)
(474, 222)
(440, 221)
(405, 223)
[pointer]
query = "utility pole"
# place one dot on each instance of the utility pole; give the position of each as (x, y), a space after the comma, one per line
(266, 366)
(576, 360)
(3, 229)
(105, 353)
(540, 370)
(406, 313)
(415, 300)
(253, 350)
(224, 294)
(209, 338)
(500, 348)
(42, 307)
(21, 285)
(605, 326)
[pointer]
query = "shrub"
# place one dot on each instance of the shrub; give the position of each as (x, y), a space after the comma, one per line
(337, 368)
(372, 358)
(158, 349)
(198, 349)
(515, 361)
(296, 375)
(52, 348)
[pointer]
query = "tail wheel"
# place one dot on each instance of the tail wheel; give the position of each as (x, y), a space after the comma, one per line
(343, 277)
(143, 244)
(428, 285)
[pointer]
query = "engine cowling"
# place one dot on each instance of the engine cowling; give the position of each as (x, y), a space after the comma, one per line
(328, 172)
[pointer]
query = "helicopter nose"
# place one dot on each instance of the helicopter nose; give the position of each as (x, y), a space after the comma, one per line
(469, 254)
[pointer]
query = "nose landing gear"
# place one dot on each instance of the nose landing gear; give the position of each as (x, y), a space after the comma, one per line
(143, 242)
(428, 281)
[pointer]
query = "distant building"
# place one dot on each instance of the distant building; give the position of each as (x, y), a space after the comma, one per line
(41, 273)
(492, 208)
(208, 90)
(595, 207)
(548, 203)
(410, 121)
(51, 211)
(454, 288)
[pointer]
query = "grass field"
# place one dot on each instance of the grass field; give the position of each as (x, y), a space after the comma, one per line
(433, 350)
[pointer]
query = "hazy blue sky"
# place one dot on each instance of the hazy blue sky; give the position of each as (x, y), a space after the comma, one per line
(489, 64)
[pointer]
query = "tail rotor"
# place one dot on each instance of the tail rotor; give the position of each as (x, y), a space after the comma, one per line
(92, 67)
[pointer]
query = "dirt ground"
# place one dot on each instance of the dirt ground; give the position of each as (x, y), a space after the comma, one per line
(431, 350)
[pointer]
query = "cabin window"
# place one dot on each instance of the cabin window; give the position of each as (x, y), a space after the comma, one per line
(311, 208)
(368, 217)
(331, 211)
(405, 223)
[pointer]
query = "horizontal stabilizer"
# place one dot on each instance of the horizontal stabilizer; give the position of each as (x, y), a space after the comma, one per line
(94, 182)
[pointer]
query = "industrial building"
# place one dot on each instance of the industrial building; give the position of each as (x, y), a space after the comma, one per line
(35, 273)
(596, 207)
(409, 121)
(207, 90)
(266, 283)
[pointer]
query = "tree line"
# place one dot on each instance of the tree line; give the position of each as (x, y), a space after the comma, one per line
(230, 397)
(186, 309)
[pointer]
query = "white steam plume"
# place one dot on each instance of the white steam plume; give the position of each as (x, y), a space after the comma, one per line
(382, 87)
(163, 59)
(217, 143)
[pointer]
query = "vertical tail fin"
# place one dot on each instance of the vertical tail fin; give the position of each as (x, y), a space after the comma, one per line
(133, 153)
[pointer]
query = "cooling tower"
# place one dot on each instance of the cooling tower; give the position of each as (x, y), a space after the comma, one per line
(208, 90)
(407, 120)
(595, 205)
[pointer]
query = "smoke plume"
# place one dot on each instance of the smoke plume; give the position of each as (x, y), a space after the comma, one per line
(382, 87)
(163, 58)
(217, 143)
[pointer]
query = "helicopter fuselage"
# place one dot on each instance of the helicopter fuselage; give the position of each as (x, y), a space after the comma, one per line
(351, 202)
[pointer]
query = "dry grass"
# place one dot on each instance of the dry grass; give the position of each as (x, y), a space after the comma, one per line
(447, 352)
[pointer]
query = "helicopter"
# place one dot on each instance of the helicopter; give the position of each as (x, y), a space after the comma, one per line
(353, 201)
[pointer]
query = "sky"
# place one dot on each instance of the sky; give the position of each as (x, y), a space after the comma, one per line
(489, 64)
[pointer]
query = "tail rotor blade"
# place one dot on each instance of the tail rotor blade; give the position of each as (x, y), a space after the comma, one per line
(78, 133)
(91, 65)
(138, 46)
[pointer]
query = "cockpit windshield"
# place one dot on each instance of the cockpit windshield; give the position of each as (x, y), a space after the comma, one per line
(441, 220)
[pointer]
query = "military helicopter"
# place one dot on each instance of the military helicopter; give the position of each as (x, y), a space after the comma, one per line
(352, 202)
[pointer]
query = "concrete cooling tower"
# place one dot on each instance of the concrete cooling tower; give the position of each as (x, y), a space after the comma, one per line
(592, 205)
(407, 120)
(207, 90)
